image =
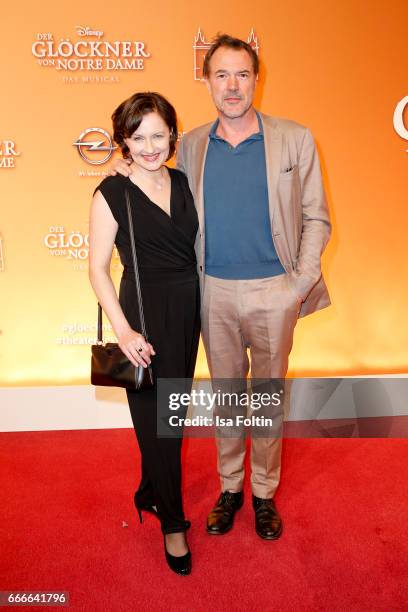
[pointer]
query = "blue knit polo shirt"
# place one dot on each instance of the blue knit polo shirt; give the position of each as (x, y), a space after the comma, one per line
(238, 239)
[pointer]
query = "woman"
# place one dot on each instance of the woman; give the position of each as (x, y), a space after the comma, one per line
(165, 226)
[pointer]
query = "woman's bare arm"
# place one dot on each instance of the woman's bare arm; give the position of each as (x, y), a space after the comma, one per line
(102, 231)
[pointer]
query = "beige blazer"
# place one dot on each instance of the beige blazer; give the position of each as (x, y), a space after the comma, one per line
(297, 203)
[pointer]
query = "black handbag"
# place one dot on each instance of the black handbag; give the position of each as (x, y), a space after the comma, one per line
(109, 365)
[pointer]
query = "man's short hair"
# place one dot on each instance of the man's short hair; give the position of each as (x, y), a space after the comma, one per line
(224, 40)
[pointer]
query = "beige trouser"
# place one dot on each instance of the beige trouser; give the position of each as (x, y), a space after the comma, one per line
(259, 314)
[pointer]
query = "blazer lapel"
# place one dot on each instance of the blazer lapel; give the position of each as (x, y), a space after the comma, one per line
(273, 154)
(200, 153)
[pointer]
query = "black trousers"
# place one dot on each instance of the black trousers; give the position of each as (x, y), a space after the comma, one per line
(172, 314)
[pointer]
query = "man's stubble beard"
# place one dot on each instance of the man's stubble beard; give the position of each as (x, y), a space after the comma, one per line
(233, 115)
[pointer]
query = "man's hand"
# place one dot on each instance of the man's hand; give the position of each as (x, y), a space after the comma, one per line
(120, 166)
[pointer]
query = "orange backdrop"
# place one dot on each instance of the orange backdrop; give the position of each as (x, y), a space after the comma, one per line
(338, 67)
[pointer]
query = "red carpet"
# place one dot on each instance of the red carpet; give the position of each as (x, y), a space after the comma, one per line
(66, 495)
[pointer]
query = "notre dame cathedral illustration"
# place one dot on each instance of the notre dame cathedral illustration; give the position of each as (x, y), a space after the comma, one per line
(201, 47)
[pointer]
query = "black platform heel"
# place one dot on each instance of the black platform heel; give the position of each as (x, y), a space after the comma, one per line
(180, 565)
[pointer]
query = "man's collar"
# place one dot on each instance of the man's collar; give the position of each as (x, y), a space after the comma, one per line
(256, 136)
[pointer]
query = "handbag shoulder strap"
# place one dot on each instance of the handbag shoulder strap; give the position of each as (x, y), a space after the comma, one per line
(136, 268)
(137, 279)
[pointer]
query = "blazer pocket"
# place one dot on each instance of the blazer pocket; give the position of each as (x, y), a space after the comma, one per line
(287, 175)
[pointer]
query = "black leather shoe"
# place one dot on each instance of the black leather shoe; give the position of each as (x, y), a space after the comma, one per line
(221, 518)
(180, 565)
(268, 523)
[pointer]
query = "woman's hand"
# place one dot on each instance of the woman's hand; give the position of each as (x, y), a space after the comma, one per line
(135, 347)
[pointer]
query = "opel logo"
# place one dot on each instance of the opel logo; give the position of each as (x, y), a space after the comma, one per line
(95, 146)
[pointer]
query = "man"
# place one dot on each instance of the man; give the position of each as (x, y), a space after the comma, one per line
(264, 223)
(263, 226)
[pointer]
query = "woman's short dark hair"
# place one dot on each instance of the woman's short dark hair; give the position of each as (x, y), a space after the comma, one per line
(129, 115)
(224, 40)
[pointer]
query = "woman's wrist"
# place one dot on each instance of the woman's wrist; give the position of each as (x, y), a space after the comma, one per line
(122, 329)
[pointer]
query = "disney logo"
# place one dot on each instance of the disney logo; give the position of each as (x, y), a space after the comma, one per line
(87, 31)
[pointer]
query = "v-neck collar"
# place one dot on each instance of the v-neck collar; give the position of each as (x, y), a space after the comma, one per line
(171, 207)
(255, 136)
